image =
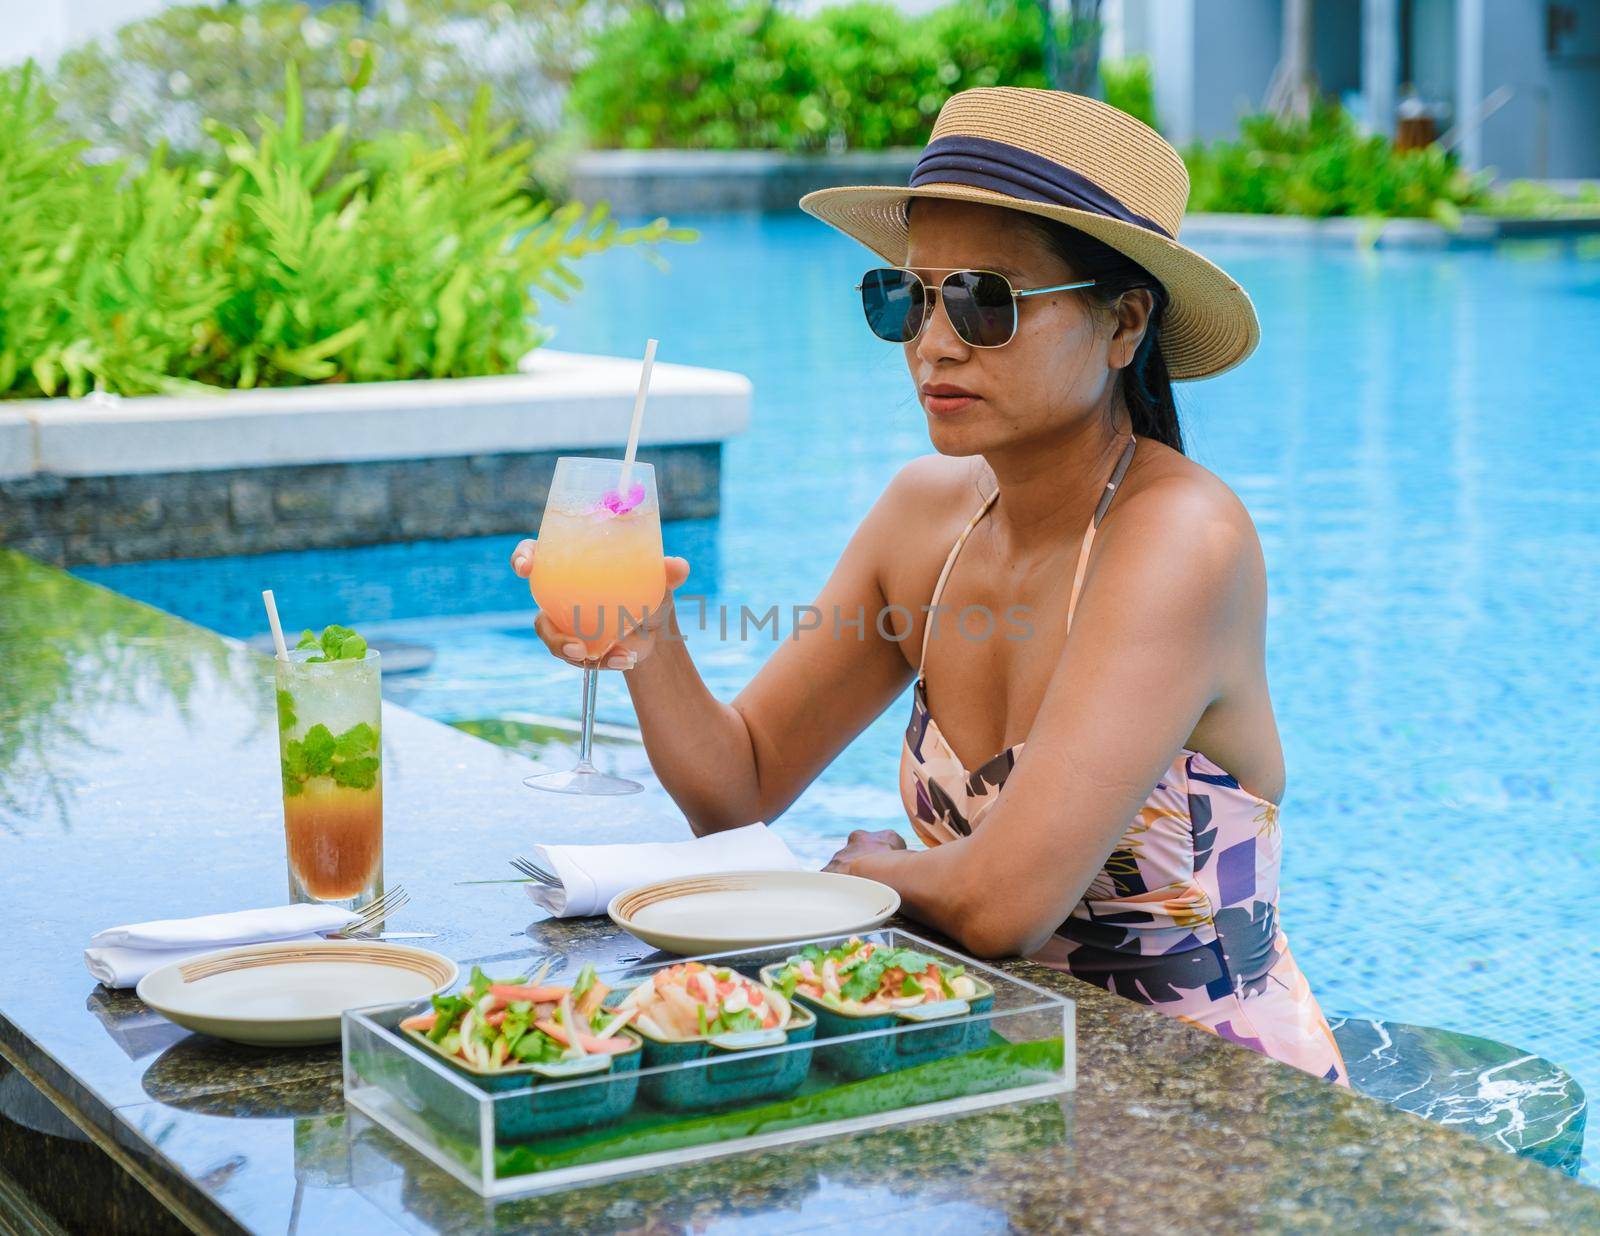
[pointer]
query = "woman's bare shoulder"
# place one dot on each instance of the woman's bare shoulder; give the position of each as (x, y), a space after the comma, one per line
(1174, 507)
(932, 490)
(918, 517)
(936, 479)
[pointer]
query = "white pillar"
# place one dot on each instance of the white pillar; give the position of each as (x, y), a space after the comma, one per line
(1172, 57)
(1469, 81)
(1380, 62)
(1113, 31)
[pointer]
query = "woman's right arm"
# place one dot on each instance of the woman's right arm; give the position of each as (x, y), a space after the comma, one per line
(730, 764)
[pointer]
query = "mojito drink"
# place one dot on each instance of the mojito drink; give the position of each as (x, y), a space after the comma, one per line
(329, 719)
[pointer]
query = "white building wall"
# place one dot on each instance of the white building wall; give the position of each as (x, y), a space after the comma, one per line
(1237, 44)
(1433, 55)
(1170, 31)
(1551, 125)
(1336, 45)
(1212, 59)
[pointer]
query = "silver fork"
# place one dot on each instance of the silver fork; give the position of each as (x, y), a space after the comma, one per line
(533, 871)
(363, 926)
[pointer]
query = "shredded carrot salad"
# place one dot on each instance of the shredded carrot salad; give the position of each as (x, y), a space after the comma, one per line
(692, 1000)
(501, 1023)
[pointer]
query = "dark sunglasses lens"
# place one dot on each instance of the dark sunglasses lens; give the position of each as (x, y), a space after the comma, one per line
(981, 307)
(895, 303)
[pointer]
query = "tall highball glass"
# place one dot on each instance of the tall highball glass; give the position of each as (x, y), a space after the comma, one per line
(330, 752)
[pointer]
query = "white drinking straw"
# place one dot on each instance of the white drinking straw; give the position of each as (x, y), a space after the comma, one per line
(277, 629)
(638, 419)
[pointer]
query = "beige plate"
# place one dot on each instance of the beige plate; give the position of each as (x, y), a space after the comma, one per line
(286, 994)
(746, 909)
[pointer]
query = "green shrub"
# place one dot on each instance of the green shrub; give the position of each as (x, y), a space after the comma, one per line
(1530, 199)
(259, 267)
(1325, 166)
(722, 75)
(745, 74)
(985, 43)
(883, 77)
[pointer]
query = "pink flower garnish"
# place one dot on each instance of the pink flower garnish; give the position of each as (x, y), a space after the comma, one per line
(619, 505)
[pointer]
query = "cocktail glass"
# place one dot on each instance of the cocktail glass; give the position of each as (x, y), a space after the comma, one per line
(597, 573)
(329, 726)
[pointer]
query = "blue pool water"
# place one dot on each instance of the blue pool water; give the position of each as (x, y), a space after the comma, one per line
(1418, 439)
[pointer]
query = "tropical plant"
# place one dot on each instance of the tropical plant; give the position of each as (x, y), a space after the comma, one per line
(267, 269)
(1324, 165)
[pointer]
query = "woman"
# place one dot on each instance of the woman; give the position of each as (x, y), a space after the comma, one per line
(1064, 587)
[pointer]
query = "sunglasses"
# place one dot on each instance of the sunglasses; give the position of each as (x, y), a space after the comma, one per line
(981, 304)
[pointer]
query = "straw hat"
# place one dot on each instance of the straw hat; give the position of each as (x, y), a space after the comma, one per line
(1086, 164)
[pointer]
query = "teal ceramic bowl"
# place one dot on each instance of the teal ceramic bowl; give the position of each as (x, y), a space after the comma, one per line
(541, 1114)
(948, 1030)
(735, 1078)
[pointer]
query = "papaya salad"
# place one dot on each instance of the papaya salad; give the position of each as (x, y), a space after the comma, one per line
(860, 977)
(693, 1000)
(502, 1023)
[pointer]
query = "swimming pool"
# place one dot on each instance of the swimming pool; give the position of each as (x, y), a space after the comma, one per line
(1417, 441)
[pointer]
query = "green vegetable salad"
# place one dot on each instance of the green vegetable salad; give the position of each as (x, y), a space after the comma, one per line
(862, 977)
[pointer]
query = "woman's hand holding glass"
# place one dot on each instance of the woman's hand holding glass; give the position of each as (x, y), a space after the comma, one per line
(623, 653)
(597, 573)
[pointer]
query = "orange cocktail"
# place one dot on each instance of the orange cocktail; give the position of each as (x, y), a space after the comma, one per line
(597, 573)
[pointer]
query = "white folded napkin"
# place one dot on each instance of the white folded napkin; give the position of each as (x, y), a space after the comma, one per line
(591, 875)
(121, 956)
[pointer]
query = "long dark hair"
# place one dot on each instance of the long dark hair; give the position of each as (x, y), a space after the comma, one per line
(1145, 386)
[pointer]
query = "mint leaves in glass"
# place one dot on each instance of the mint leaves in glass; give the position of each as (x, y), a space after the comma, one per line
(329, 731)
(336, 643)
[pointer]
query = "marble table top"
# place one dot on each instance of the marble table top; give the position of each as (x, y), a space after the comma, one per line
(138, 780)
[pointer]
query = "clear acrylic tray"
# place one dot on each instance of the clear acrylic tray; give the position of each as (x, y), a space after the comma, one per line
(524, 1137)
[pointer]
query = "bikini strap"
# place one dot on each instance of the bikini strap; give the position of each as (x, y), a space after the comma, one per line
(1117, 474)
(938, 588)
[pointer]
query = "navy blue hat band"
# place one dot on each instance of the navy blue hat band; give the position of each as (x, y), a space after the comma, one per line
(1003, 168)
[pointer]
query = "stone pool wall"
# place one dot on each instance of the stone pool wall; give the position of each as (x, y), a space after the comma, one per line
(105, 480)
(104, 519)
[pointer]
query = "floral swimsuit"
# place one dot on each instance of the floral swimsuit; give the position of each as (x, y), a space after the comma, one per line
(1184, 914)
